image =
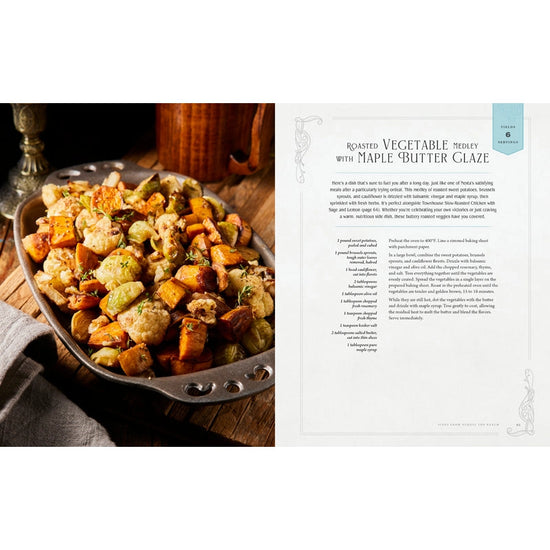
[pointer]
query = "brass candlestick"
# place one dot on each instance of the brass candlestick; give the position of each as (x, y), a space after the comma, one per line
(31, 170)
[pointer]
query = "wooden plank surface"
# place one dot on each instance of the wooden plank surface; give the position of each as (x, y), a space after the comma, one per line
(137, 417)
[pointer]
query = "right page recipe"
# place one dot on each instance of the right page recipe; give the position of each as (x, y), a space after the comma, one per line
(413, 269)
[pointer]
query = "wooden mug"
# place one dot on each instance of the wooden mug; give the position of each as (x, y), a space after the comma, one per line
(208, 141)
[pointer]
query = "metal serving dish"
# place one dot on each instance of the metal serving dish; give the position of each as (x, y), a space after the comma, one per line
(214, 385)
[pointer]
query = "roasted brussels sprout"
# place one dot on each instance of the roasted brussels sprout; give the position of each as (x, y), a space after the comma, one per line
(80, 323)
(229, 232)
(147, 187)
(192, 188)
(228, 353)
(122, 296)
(259, 337)
(117, 270)
(140, 231)
(217, 208)
(107, 357)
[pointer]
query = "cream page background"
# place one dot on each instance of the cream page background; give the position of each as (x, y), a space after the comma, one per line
(462, 371)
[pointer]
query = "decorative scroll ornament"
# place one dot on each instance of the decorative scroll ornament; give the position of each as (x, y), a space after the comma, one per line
(526, 409)
(303, 141)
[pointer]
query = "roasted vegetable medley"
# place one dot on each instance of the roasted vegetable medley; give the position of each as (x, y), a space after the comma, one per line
(158, 278)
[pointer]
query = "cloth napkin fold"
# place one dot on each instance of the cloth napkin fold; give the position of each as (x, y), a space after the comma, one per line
(33, 412)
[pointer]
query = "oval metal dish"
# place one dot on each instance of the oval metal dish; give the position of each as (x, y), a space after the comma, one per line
(215, 385)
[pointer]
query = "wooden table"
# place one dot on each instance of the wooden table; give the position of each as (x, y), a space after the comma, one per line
(137, 417)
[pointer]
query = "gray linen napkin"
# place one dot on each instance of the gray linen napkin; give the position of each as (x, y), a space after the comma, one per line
(33, 412)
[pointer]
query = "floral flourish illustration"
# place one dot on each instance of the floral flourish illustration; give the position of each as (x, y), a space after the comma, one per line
(526, 409)
(303, 141)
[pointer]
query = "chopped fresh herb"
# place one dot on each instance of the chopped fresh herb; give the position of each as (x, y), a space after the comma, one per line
(123, 217)
(100, 211)
(88, 274)
(243, 293)
(204, 261)
(94, 293)
(85, 203)
(190, 255)
(65, 193)
(232, 250)
(124, 264)
(89, 351)
(142, 303)
(190, 327)
(121, 243)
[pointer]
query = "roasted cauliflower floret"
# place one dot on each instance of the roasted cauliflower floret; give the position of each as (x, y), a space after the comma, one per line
(157, 268)
(267, 274)
(51, 193)
(67, 206)
(104, 237)
(146, 321)
(203, 309)
(60, 264)
(85, 221)
(251, 292)
(97, 323)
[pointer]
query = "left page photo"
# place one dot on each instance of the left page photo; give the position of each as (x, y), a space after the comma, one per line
(137, 274)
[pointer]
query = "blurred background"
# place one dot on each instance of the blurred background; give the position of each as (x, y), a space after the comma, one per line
(76, 132)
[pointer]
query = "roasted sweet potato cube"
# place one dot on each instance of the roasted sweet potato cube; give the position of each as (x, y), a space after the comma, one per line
(106, 200)
(136, 360)
(103, 305)
(194, 229)
(202, 362)
(234, 219)
(233, 324)
(212, 231)
(223, 277)
(37, 246)
(202, 243)
(111, 336)
(155, 203)
(192, 338)
(245, 231)
(245, 234)
(198, 278)
(92, 285)
(165, 355)
(86, 260)
(173, 331)
(225, 255)
(62, 233)
(172, 292)
(190, 219)
(201, 208)
(83, 301)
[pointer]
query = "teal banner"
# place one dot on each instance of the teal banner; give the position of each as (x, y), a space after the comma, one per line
(508, 127)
